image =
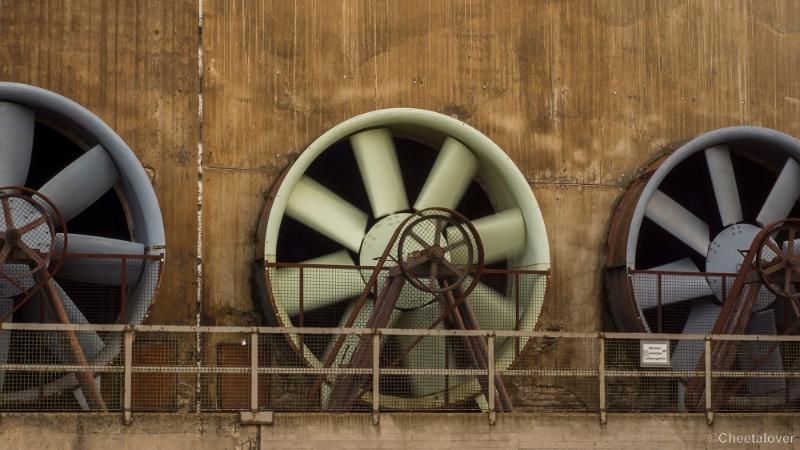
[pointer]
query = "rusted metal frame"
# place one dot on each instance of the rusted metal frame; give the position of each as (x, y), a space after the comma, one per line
(85, 377)
(344, 389)
(601, 377)
(483, 353)
(758, 362)
(473, 352)
(128, 377)
(254, 372)
(516, 313)
(301, 300)
(373, 279)
(490, 377)
(376, 378)
(680, 274)
(735, 315)
(709, 387)
(278, 265)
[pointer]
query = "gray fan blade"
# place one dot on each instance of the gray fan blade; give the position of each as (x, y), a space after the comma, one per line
(450, 176)
(783, 195)
(674, 288)
(380, 171)
(100, 270)
(319, 208)
(678, 221)
(428, 353)
(723, 179)
(494, 310)
(762, 356)
(701, 321)
(16, 143)
(81, 183)
(6, 305)
(81, 398)
(321, 287)
(38, 310)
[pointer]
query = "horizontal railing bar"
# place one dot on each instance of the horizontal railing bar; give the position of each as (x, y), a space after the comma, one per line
(288, 265)
(390, 332)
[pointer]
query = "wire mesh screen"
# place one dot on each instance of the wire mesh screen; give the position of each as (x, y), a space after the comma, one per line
(680, 302)
(555, 373)
(633, 384)
(756, 375)
(41, 372)
(189, 369)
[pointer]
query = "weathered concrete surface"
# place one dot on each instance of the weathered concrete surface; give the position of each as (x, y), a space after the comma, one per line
(517, 431)
(396, 431)
(106, 431)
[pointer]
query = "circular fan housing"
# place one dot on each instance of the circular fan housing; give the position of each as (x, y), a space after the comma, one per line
(54, 146)
(343, 198)
(692, 216)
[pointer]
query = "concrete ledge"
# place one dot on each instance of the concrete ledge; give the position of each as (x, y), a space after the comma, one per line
(396, 430)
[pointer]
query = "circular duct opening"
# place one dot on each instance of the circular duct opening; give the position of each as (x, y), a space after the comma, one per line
(114, 240)
(682, 230)
(344, 196)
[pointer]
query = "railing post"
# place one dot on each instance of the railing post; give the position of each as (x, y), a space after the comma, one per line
(254, 372)
(490, 365)
(376, 378)
(128, 382)
(601, 375)
(709, 405)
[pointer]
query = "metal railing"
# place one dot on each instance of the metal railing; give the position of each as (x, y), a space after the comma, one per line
(162, 368)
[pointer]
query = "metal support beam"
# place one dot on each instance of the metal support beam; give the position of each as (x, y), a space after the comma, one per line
(490, 364)
(709, 405)
(601, 376)
(376, 378)
(254, 372)
(128, 383)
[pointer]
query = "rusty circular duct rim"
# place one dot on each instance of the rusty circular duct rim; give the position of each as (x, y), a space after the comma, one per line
(770, 155)
(466, 158)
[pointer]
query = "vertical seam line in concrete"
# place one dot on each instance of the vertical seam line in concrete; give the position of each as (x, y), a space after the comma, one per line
(199, 263)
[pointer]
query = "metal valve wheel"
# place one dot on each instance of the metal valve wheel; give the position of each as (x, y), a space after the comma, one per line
(438, 251)
(778, 259)
(27, 239)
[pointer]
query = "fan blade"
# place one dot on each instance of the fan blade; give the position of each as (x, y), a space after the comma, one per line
(720, 167)
(16, 143)
(502, 234)
(493, 310)
(700, 321)
(317, 207)
(454, 169)
(762, 356)
(380, 170)
(38, 310)
(321, 287)
(81, 398)
(81, 183)
(106, 270)
(782, 196)
(674, 288)
(429, 353)
(678, 221)
(6, 305)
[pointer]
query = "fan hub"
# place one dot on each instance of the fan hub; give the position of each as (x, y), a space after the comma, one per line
(726, 255)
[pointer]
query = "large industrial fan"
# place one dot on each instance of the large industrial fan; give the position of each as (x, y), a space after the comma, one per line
(681, 234)
(82, 242)
(334, 211)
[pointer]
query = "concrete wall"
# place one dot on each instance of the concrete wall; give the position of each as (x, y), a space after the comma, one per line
(581, 94)
(396, 431)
